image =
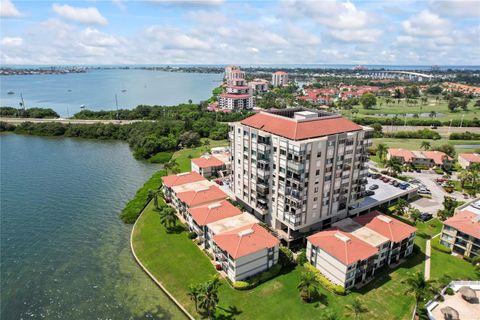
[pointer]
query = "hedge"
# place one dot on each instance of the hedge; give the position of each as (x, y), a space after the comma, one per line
(135, 206)
(258, 279)
(441, 248)
(475, 122)
(161, 157)
(339, 290)
(419, 134)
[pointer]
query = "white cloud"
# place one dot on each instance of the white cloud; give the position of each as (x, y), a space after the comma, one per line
(12, 41)
(94, 38)
(361, 35)
(89, 15)
(189, 2)
(120, 4)
(456, 8)
(173, 38)
(8, 9)
(253, 50)
(426, 24)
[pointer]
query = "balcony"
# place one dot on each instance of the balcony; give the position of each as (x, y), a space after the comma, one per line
(262, 188)
(296, 166)
(264, 148)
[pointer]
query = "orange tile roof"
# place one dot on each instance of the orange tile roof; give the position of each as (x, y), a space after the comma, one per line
(466, 222)
(280, 72)
(344, 246)
(471, 157)
(182, 178)
(299, 130)
(200, 197)
(245, 240)
(393, 229)
(436, 156)
(407, 155)
(207, 162)
(213, 212)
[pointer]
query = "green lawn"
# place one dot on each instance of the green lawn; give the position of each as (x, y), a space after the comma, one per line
(430, 228)
(441, 107)
(414, 144)
(182, 157)
(177, 263)
(455, 267)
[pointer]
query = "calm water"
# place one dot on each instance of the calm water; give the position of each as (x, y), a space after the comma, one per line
(64, 252)
(96, 89)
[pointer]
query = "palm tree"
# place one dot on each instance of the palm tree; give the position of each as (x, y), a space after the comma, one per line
(382, 150)
(356, 308)
(425, 145)
(208, 298)
(194, 292)
(168, 217)
(464, 177)
(418, 286)
(172, 166)
(154, 194)
(308, 286)
(329, 315)
(394, 165)
(402, 206)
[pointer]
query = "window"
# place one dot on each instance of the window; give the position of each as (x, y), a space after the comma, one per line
(319, 154)
(317, 173)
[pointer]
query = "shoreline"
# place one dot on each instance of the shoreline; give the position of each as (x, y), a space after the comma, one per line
(157, 282)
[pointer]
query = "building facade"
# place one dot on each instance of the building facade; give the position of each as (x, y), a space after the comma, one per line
(299, 170)
(466, 160)
(279, 79)
(237, 96)
(461, 233)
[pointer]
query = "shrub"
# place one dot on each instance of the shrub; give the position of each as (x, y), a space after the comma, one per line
(302, 257)
(258, 279)
(438, 171)
(285, 257)
(192, 235)
(449, 291)
(208, 254)
(161, 157)
(437, 246)
(339, 290)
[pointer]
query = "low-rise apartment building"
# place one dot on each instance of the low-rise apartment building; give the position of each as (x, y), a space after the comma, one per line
(246, 251)
(199, 217)
(279, 79)
(226, 225)
(211, 165)
(351, 251)
(428, 159)
(198, 197)
(169, 182)
(466, 160)
(299, 170)
(461, 233)
(258, 86)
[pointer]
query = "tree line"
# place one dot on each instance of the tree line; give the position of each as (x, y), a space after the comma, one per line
(28, 113)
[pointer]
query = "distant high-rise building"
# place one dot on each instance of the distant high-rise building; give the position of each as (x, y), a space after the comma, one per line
(279, 79)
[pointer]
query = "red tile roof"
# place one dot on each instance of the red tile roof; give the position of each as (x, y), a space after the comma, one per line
(200, 197)
(407, 155)
(344, 246)
(436, 156)
(207, 162)
(235, 96)
(280, 72)
(471, 157)
(466, 222)
(299, 130)
(182, 178)
(213, 212)
(245, 240)
(393, 229)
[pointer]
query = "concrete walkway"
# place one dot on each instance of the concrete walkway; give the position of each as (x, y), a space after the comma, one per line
(428, 254)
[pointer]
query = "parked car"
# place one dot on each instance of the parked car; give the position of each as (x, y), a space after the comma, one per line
(423, 191)
(403, 185)
(373, 187)
(386, 179)
(395, 183)
(418, 171)
(219, 182)
(425, 216)
(369, 193)
(375, 175)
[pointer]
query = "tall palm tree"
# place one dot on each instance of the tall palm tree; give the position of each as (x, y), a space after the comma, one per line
(208, 298)
(394, 165)
(172, 166)
(418, 286)
(356, 308)
(194, 292)
(425, 145)
(154, 194)
(168, 217)
(382, 150)
(308, 285)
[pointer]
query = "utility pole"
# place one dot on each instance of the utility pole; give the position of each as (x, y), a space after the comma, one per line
(22, 104)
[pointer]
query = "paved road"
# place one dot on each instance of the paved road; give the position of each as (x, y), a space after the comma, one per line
(443, 131)
(17, 121)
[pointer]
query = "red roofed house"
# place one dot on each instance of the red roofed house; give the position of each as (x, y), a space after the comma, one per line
(461, 233)
(438, 159)
(421, 158)
(209, 166)
(467, 159)
(177, 180)
(350, 252)
(199, 197)
(403, 155)
(400, 234)
(199, 217)
(341, 257)
(290, 165)
(245, 251)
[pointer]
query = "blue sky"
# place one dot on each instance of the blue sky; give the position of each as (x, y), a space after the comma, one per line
(444, 32)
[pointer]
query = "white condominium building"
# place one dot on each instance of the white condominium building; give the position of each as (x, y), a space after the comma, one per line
(299, 170)
(237, 96)
(279, 79)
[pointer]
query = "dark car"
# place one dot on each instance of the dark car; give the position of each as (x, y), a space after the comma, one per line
(395, 183)
(425, 216)
(373, 187)
(369, 193)
(375, 176)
